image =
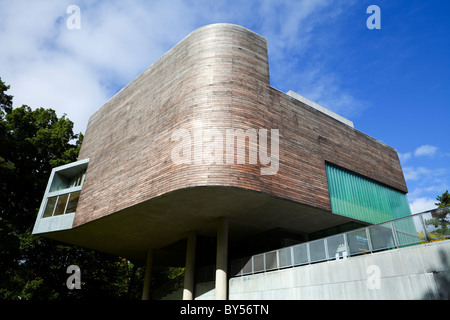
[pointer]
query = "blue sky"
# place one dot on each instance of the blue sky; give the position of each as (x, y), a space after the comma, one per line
(393, 83)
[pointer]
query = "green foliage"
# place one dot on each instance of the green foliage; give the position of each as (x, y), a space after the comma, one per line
(5, 99)
(444, 200)
(32, 142)
(440, 221)
(175, 272)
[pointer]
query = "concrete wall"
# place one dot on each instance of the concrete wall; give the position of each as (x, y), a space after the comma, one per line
(419, 272)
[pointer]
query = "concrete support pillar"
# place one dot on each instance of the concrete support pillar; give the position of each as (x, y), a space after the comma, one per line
(222, 260)
(148, 275)
(189, 271)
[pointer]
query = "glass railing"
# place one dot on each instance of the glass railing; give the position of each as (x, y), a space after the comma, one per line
(416, 229)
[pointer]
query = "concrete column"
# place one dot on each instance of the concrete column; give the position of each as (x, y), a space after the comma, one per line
(189, 271)
(222, 260)
(148, 275)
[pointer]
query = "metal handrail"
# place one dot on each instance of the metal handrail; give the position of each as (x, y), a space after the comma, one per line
(392, 234)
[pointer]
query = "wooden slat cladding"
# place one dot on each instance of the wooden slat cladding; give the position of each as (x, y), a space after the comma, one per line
(218, 75)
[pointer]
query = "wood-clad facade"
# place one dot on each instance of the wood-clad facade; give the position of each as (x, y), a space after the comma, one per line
(217, 76)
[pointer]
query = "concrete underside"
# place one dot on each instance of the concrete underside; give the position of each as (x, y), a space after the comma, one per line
(164, 222)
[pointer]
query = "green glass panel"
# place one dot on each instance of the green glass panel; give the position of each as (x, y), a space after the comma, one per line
(360, 198)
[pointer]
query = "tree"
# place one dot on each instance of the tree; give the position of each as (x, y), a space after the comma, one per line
(440, 220)
(32, 142)
(5, 100)
(444, 200)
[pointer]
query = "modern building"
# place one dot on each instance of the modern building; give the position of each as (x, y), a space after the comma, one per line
(199, 161)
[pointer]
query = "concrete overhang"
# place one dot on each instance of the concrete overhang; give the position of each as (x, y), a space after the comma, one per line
(168, 219)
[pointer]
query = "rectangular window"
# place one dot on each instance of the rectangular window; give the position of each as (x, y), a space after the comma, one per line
(73, 202)
(61, 205)
(361, 198)
(77, 180)
(50, 207)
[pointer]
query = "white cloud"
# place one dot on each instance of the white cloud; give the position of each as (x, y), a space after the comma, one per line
(425, 150)
(294, 44)
(325, 88)
(404, 156)
(422, 204)
(412, 173)
(76, 71)
(61, 85)
(436, 189)
(289, 23)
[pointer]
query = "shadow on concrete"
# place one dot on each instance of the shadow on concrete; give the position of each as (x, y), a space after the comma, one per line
(442, 280)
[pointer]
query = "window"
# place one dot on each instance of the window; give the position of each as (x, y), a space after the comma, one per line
(77, 180)
(361, 198)
(73, 202)
(62, 195)
(64, 189)
(50, 207)
(62, 204)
